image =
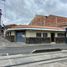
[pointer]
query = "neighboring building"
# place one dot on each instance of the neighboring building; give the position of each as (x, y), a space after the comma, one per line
(9, 26)
(51, 20)
(35, 34)
(42, 29)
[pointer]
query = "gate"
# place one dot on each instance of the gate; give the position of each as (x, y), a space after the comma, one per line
(20, 37)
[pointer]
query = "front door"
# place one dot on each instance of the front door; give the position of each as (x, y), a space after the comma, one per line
(52, 37)
(20, 37)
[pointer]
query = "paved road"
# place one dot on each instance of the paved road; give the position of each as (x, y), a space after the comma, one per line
(23, 50)
(15, 48)
(34, 60)
(7, 48)
(28, 49)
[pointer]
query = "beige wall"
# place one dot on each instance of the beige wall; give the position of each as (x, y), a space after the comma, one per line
(33, 33)
(49, 35)
(30, 34)
(12, 33)
(55, 34)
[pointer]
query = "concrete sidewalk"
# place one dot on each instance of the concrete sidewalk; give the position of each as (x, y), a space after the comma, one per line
(5, 43)
(20, 44)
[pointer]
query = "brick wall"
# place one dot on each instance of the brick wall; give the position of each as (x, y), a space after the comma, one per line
(50, 20)
(38, 20)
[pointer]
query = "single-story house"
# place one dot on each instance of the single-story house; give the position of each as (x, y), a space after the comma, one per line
(35, 34)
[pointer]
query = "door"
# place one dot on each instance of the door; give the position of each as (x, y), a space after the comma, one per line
(20, 37)
(52, 37)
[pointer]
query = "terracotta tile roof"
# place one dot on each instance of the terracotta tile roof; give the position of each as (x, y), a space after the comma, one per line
(32, 26)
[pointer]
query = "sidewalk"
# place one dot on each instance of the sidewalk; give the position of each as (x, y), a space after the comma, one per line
(20, 44)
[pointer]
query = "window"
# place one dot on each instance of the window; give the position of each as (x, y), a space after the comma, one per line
(44, 35)
(38, 34)
(61, 34)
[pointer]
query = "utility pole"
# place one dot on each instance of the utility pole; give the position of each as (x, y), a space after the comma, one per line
(0, 16)
(4, 9)
(0, 22)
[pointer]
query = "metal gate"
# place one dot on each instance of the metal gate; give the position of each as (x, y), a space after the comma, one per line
(20, 37)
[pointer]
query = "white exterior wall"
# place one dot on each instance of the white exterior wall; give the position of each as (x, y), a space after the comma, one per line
(66, 34)
(30, 34)
(33, 34)
(12, 32)
(56, 35)
(48, 34)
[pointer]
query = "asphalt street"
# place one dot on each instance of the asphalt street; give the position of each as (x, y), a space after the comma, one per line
(20, 48)
(28, 49)
(9, 48)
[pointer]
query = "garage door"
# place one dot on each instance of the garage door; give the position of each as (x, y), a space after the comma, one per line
(20, 37)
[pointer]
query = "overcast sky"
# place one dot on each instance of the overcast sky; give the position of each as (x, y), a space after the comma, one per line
(23, 11)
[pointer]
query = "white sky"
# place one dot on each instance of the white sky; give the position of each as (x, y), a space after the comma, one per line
(23, 11)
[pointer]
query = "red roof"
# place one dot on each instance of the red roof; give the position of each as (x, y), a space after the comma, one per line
(32, 26)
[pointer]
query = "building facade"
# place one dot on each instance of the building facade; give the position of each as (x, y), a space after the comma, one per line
(35, 34)
(42, 29)
(51, 20)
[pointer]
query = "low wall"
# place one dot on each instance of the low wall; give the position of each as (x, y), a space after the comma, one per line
(60, 40)
(44, 40)
(37, 40)
(10, 38)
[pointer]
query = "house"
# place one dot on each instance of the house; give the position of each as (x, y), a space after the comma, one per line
(35, 34)
(42, 29)
(51, 20)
